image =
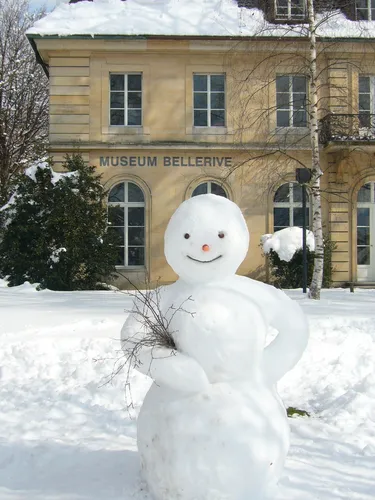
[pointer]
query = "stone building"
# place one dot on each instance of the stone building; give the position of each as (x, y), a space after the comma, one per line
(172, 99)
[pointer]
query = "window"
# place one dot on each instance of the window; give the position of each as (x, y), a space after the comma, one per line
(291, 96)
(126, 218)
(287, 206)
(290, 10)
(366, 101)
(365, 215)
(365, 10)
(125, 99)
(209, 187)
(209, 100)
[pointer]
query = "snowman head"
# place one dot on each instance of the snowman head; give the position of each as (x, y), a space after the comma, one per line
(206, 239)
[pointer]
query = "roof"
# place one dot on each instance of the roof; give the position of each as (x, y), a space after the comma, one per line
(223, 18)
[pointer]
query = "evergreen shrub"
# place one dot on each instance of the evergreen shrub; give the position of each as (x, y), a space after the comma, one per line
(54, 229)
(289, 274)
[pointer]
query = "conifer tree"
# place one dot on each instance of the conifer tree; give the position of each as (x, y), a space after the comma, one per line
(55, 229)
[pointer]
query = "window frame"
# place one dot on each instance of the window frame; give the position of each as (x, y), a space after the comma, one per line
(126, 205)
(289, 15)
(291, 110)
(209, 183)
(126, 91)
(291, 205)
(209, 109)
(370, 9)
(367, 112)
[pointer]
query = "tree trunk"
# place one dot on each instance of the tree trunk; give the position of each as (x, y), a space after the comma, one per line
(317, 278)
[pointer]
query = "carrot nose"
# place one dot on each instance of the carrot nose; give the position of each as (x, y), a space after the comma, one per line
(205, 248)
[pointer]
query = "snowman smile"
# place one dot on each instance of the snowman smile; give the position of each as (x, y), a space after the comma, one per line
(204, 261)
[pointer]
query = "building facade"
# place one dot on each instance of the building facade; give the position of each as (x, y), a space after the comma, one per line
(165, 117)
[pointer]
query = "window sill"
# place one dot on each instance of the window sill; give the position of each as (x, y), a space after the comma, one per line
(209, 130)
(291, 130)
(125, 130)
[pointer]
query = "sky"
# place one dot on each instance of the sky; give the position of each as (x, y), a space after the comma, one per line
(37, 4)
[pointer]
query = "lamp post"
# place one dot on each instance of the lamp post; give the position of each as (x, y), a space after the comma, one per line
(303, 176)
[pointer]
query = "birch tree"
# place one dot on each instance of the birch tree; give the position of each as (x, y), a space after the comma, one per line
(298, 45)
(23, 95)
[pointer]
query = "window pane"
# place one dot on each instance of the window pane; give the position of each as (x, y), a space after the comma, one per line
(136, 256)
(217, 189)
(282, 100)
(135, 193)
(299, 119)
(363, 236)
(217, 100)
(282, 194)
(134, 117)
(136, 236)
(200, 119)
(218, 118)
(118, 234)
(281, 217)
(117, 100)
(135, 99)
(136, 216)
(201, 189)
(364, 84)
(282, 83)
(217, 83)
(200, 100)
(117, 82)
(363, 217)
(116, 216)
(362, 14)
(299, 84)
(364, 194)
(117, 117)
(120, 261)
(364, 102)
(298, 217)
(299, 101)
(200, 82)
(116, 194)
(283, 118)
(363, 256)
(134, 82)
(297, 193)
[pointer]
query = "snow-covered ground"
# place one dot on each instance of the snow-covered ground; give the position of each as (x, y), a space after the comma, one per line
(67, 434)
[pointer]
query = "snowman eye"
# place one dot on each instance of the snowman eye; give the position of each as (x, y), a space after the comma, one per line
(221, 234)
(186, 236)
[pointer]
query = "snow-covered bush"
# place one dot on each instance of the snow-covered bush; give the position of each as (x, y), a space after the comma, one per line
(284, 251)
(55, 229)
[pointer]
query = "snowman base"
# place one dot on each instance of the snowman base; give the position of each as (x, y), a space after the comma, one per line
(217, 445)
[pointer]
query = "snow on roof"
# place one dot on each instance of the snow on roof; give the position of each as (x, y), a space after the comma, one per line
(286, 242)
(180, 18)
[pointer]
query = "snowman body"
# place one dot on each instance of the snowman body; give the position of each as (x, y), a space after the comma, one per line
(228, 442)
(212, 426)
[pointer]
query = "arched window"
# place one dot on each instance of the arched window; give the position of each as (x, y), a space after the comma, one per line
(287, 206)
(126, 217)
(210, 187)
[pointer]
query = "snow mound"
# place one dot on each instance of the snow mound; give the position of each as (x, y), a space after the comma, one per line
(286, 242)
(178, 18)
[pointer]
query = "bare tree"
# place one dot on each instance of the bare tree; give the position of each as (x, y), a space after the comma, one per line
(23, 95)
(299, 46)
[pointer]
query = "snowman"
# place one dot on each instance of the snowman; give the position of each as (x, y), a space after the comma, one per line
(212, 426)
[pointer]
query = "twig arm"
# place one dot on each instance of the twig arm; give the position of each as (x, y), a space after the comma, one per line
(165, 365)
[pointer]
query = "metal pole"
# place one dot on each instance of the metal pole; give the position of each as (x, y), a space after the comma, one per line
(304, 249)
